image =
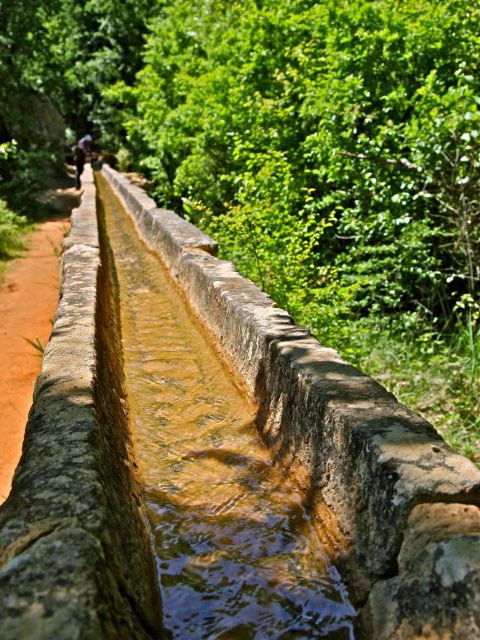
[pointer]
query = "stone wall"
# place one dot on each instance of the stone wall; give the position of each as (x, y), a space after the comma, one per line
(400, 507)
(75, 558)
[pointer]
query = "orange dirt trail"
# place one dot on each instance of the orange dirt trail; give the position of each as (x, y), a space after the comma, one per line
(28, 299)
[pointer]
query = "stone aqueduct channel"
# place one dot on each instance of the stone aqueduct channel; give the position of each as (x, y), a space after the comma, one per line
(153, 479)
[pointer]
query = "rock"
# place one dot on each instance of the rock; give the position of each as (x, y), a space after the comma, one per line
(437, 591)
(33, 120)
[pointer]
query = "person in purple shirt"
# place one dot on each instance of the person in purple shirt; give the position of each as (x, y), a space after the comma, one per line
(84, 144)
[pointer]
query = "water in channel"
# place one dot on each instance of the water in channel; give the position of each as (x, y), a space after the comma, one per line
(237, 556)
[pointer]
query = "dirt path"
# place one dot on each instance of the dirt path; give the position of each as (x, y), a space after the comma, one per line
(28, 299)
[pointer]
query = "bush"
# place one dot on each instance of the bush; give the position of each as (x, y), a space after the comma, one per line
(12, 227)
(124, 159)
(331, 142)
(22, 177)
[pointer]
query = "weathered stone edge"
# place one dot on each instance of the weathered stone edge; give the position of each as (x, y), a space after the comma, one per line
(364, 460)
(154, 221)
(67, 570)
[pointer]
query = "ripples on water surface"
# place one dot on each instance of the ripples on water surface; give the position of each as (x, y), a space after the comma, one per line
(237, 555)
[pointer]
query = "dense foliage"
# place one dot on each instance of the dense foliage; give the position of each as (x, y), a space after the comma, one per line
(56, 57)
(11, 226)
(333, 149)
(93, 45)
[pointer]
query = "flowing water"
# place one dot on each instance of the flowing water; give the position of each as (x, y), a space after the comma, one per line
(237, 555)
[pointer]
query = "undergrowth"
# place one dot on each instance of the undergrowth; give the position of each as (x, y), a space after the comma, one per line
(12, 229)
(433, 376)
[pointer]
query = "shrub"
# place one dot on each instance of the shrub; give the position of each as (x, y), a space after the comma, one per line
(12, 227)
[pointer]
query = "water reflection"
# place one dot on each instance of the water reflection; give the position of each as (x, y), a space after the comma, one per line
(237, 555)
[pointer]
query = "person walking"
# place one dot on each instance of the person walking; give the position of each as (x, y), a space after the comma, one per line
(84, 144)
(79, 159)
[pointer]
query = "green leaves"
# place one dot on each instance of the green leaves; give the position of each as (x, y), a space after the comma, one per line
(326, 145)
(12, 227)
